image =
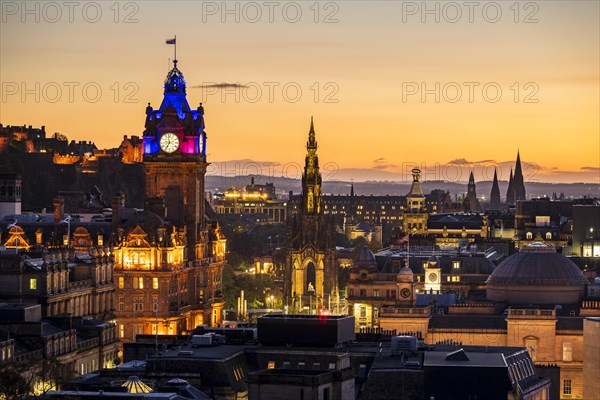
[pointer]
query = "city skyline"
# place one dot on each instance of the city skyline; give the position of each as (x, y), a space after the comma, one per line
(372, 73)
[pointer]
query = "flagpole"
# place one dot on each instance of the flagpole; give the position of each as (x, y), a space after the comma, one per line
(175, 59)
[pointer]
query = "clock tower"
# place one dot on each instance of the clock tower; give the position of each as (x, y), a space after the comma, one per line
(433, 275)
(175, 160)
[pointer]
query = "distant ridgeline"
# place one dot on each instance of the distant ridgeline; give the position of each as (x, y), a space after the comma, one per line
(48, 165)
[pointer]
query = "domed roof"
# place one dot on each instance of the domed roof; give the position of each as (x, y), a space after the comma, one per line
(365, 258)
(147, 220)
(405, 274)
(537, 264)
(175, 81)
(537, 274)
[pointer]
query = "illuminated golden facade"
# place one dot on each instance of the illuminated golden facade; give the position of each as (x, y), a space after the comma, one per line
(415, 214)
(169, 260)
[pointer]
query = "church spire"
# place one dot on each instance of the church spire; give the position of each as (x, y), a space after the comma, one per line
(312, 141)
(471, 178)
(471, 204)
(510, 192)
(495, 194)
(518, 180)
(311, 179)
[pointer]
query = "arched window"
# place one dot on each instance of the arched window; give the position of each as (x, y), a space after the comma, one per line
(548, 235)
(529, 235)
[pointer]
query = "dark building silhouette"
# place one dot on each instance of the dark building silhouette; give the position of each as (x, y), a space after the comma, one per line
(516, 184)
(495, 194)
(470, 203)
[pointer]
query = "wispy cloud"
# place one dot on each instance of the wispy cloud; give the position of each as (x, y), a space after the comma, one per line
(464, 161)
(222, 85)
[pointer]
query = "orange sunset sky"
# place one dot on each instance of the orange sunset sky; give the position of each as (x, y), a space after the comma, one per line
(360, 66)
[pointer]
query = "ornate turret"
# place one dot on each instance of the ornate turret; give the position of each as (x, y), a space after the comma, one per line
(415, 198)
(311, 179)
(311, 269)
(175, 83)
(174, 116)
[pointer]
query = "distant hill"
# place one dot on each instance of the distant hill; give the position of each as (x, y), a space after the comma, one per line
(284, 185)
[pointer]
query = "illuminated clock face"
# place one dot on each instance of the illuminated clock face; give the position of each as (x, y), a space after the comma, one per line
(169, 142)
(432, 277)
(405, 293)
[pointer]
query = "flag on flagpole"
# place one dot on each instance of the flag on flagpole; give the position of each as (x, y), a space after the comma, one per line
(405, 238)
(171, 41)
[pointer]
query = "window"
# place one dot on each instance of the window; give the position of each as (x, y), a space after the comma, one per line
(375, 292)
(363, 293)
(154, 283)
(566, 386)
(316, 366)
(138, 283)
(33, 283)
(286, 365)
(271, 365)
(301, 365)
(529, 235)
(121, 282)
(548, 236)
(155, 304)
(456, 264)
(567, 351)
(138, 304)
(121, 331)
(331, 366)
(363, 312)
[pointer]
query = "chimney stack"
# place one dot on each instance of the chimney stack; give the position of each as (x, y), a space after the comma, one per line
(118, 203)
(59, 209)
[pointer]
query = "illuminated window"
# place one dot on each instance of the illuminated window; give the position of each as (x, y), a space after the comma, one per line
(154, 283)
(271, 365)
(100, 240)
(140, 283)
(121, 331)
(375, 292)
(529, 235)
(548, 236)
(456, 264)
(121, 282)
(567, 351)
(567, 386)
(33, 283)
